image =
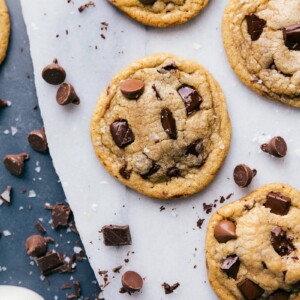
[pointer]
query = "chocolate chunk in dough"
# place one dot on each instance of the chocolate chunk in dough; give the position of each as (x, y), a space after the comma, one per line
(278, 203)
(255, 26)
(132, 88)
(291, 36)
(168, 123)
(121, 133)
(192, 100)
(225, 231)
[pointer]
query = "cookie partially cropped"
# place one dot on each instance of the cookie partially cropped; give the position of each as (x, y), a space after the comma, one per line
(160, 13)
(161, 127)
(4, 29)
(252, 246)
(262, 41)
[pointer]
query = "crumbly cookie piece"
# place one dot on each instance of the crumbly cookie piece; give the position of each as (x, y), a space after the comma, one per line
(161, 127)
(160, 13)
(252, 246)
(4, 29)
(262, 41)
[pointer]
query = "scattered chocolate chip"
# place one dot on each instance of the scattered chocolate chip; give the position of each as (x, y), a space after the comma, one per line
(291, 36)
(169, 289)
(115, 235)
(3, 103)
(5, 196)
(38, 140)
(85, 6)
(14, 163)
(278, 203)
(60, 215)
(249, 289)
(154, 168)
(121, 133)
(231, 266)
(243, 175)
(124, 172)
(255, 26)
(225, 231)
(38, 225)
(132, 282)
(54, 73)
(280, 242)
(168, 123)
(66, 95)
(279, 295)
(192, 100)
(132, 88)
(156, 92)
(173, 172)
(117, 269)
(276, 147)
(36, 245)
(51, 262)
(195, 148)
(200, 223)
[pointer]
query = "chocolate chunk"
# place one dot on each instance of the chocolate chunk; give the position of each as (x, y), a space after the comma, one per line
(38, 140)
(154, 168)
(279, 295)
(50, 263)
(54, 74)
(168, 123)
(14, 163)
(156, 92)
(173, 172)
(117, 269)
(195, 148)
(291, 36)
(249, 289)
(132, 281)
(38, 225)
(276, 147)
(255, 26)
(231, 266)
(169, 289)
(225, 231)
(147, 2)
(121, 133)
(132, 88)
(60, 215)
(192, 100)
(3, 103)
(170, 67)
(200, 223)
(115, 235)
(278, 203)
(280, 242)
(243, 175)
(36, 245)
(124, 172)
(66, 95)
(5, 195)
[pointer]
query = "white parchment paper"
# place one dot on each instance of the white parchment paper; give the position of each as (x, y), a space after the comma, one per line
(166, 245)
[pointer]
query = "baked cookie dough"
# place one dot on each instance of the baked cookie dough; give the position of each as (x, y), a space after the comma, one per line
(160, 13)
(262, 41)
(252, 246)
(4, 29)
(161, 127)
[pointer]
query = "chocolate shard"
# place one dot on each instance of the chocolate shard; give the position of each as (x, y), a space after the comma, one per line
(14, 163)
(169, 289)
(54, 73)
(168, 123)
(225, 231)
(36, 245)
(5, 196)
(38, 140)
(154, 168)
(50, 263)
(132, 88)
(276, 147)
(191, 98)
(278, 203)
(121, 133)
(195, 148)
(60, 215)
(132, 282)
(231, 266)
(243, 175)
(124, 172)
(249, 289)
(115, 235)
(38, 225)
(291, 36)
(173, 172)
(255, 26)
(281, 243)
(279, 295)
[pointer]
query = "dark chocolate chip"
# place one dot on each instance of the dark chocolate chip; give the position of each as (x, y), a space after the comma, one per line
(195, 148)
(278, 203)
(243, 175)
(132, 281)
(60, 215)
(225, 231)
(38, 140)
(50, 263)
(156, 92)
(249, 289)
(121, 133)
(279, 295)
(255, 26)
(115, 235)
(3, 103)
(168, 123)
(66, 95)
(124, 172)
(147, 2)
(231, 266)
(5, 196)
(192, 100)
(280, 242)
(291, 36)
(154, 168)
(132, 88)
(276, 147)
(36, 245)
(54, 74)
(14, 163)
(169, 289)
(173, 172)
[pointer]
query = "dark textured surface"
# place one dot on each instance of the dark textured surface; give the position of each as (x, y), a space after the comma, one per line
(17, 86)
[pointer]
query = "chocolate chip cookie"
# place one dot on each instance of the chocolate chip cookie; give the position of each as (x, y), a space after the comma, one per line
(161, 127)
(160, 13)
(252, 246)
(4, 29)
(262, 41)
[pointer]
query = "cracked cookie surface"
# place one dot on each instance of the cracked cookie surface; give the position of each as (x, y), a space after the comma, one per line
(252, 246)
(160, 13)
(4, 29)
(262, 41)
(161, 127)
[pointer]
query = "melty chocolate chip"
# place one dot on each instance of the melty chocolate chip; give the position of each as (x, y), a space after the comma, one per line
(192, 100)
(173, 172)
(231, 266)
(276, 147)
(243, 175)
(249, 289)
(3, 103)
(66, 95)
(54, 73)
(278, 203)
(14, 163)
(38, 140)
(291, 36)
(168, 123)
(124, 172)
(147, 2)
(154, 168)
(121, 133)
(279, 295)
(225, 231)
(280, 242)
(132, 88)
(36, 245)
(195, 148)
(255, 26)
(132, 281)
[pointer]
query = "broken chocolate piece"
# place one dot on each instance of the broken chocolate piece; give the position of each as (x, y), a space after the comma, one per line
(5, 195)
(279, 295)
(132, 88)
(121, 133)
(225, 231)
(276, 147)
(281, 243)
(38, 225)
(168, 123)
(249, 289)
(173, 172)
(278, 203)
(255, 26)
(117, 269)
(115, 235)
(3, 103)
(14, 163)
(60, 215)
(231, 266)
(154, 168)
(291, 36)
(124, 172)
(132, 282)
(66, 95)
(36, 245)
(192, 100)
(243, 175)
(50, 263)
(54, 73)
(195, 148)
(200, 223)
(169, 289)
(38, 140)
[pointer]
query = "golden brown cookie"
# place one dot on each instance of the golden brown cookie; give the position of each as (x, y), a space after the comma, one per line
(160, 13)
(262, 41)
(161, 127)
(4, 29)
(253, 244)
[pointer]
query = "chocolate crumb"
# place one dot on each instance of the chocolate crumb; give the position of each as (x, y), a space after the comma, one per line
(162, 208)
(38, 225)
(169, 289)
(117, 269)
(85, 6)
(208, 208)
(200, 222)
